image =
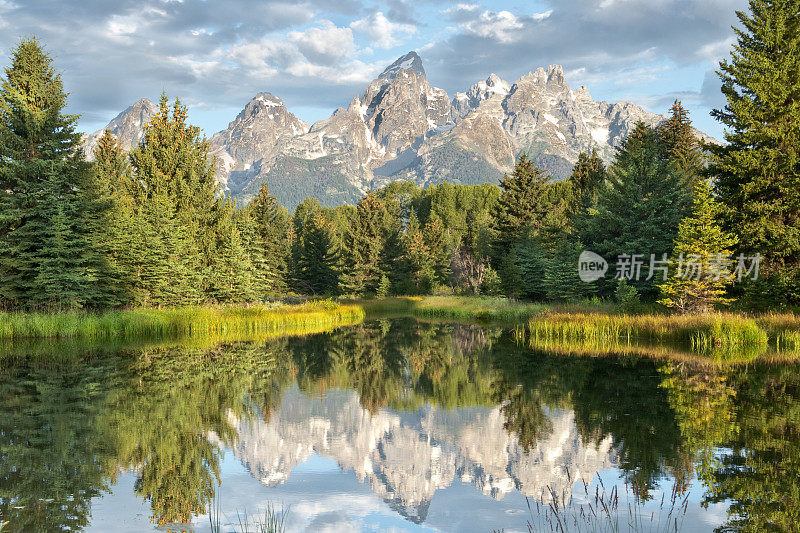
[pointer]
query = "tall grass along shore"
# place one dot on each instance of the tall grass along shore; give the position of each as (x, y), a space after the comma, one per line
(185, 321)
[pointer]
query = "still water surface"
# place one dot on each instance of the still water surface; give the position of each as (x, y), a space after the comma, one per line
(394, 425)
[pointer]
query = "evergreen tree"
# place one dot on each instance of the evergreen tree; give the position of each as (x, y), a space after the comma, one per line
(703, 242)
(561, 281)
(757, 172)
(364, 246)
(588, 177)
(177, 210)
(520, 214)
(680, 144)
(640, 209)
(271, 252)
(117, 188)
(523, 204)
(418, 260)
(49, 206)
(232, 279)
(437, 241)
(317, 257)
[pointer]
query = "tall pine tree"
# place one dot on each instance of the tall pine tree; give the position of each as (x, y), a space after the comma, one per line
(757, 172)
(640, 209)
(177, 210)
(49, 207)
(680, 144)
(270, 252)
(364, 246)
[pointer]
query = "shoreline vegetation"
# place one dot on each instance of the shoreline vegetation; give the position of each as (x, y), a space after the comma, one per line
(253, 321)
(601, 327)
(591, 328)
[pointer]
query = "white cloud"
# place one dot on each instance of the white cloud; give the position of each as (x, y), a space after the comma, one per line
(382, 32)
(500, 26)
(326, 44)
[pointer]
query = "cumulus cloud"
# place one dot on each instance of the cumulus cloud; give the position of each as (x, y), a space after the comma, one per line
(381, 31)
(311, 51)
(601, 36)
(501, 27)
(324, 45)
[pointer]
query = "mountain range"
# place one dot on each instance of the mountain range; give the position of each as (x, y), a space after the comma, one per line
(402, 127)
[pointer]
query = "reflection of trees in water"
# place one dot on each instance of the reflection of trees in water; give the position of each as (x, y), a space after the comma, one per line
(759, 466)
(166, 412)
(54, 457)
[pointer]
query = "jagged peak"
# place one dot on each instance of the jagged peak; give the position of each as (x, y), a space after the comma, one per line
(411, 61)
(555, 74)
(267, 100)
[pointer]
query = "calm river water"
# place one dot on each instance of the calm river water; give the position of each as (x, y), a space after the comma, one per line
(393, 425)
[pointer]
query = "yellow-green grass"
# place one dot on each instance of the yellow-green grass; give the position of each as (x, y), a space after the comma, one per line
(179, 322)
(705, 333)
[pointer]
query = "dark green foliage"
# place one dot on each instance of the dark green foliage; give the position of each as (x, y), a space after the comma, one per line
(269, 246)
(561, 281)
(50, 211)
(757, 172)
(680, 143)
(314, 252)
(640, 209)
(364, 245)
(178, 216)
(522, 207)
(587, 179)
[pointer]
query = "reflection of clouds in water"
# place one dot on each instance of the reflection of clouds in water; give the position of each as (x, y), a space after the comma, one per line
(332, 522)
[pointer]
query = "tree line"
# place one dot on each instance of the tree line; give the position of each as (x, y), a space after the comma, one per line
(151, 228)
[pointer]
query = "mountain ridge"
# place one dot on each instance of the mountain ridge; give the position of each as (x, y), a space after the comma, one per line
(402, 127)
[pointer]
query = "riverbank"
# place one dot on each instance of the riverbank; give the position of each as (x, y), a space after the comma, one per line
(185, 321)
(602, 327)
(483, 309)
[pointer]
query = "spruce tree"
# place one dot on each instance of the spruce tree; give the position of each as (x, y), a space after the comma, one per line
(317, 256)
(523, 204)
(49, 208)
(587, 178)
(640, 209)
(519, 216)
(232, 278)
(681, 145)
(177, 210)
(438, 243)
(364, 246)
(271, 224)
(757, 172)
(703, 242)
(417, 259)
(117, 189)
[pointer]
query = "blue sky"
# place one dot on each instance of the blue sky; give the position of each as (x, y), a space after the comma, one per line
(318, 54)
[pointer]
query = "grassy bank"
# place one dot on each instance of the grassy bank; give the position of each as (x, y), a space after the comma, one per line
(724, 336)
(186, 321)
(458, 308)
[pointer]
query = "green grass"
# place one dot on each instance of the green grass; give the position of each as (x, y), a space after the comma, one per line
(179, 322)
(457, 308)
(705, 334)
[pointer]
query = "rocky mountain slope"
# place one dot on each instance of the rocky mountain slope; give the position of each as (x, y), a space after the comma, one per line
(405, 457)
(402, 127)
(128, 127)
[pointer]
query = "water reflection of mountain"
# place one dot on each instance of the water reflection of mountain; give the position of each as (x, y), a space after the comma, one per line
(406, 456)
